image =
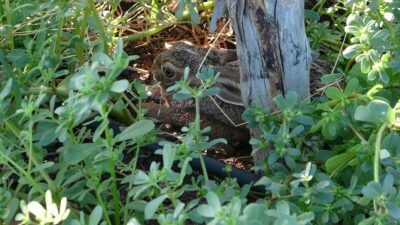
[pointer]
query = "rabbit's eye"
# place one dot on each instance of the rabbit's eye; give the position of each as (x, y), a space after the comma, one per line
(168, 72)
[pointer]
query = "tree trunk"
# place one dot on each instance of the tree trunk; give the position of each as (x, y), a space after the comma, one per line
(273, 50)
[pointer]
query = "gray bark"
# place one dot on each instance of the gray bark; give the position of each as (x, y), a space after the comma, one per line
(273, 49)
(294, 46)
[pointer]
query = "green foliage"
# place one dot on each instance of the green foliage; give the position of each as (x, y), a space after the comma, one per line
(194, 15)
(331, 161)
(330, 157)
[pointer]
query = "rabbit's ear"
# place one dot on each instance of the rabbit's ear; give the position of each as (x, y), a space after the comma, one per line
(227, 55)
(229, 85)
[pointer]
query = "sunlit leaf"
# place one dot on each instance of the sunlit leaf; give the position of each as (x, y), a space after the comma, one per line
(377, 111)
(136, 130)
(120, 86)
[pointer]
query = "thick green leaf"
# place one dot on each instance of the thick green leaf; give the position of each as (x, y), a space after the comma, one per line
(136, 130)
(297, 131)
(381, 35)
(152, 206)
(73, 154)
(394, 210)
(338, 161)
(60, 73)
(181, 8)
(168, 156)
(292, 98)
(18, 57)
(388, 184)
(194, 15)
(206, 211)
(103, 59)
(211, 91)
(280, 102)
(384, 76)
(377, 111)
(391, 142)
(283, 207)
(365, 65)
(333, 93)
(181, 96)
(330, 129)
(255, 214)
(329, 78)
(46, 131)
(372, 191)
(213, 200)
(119, 86)
(95, 216)
(13, 206)
(206, 74)
(351, 86)
(384, 154)
(352, 50)
(6, 89)
(372, 74)
(43, 166)
(305, 218)
(100, 129)
(312, 15)
(306, 120)
(368, 221)
(133, 57)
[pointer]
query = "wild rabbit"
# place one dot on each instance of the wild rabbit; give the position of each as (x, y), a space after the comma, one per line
(169, 66)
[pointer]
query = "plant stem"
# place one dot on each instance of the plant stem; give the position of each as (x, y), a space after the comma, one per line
(80, 28)
(131, 105)
(60, 25)
(319, 5)
(8, 11)
(100, 200)
(115, 193)
(114, 187)
(100, 25)
(197, 118)
(378, 141)
(146, 33)
(197, 127)
(135, 160)
(30, 146)
(362, 139)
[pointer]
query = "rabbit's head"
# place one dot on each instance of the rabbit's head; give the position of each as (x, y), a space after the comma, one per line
(169, 65)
